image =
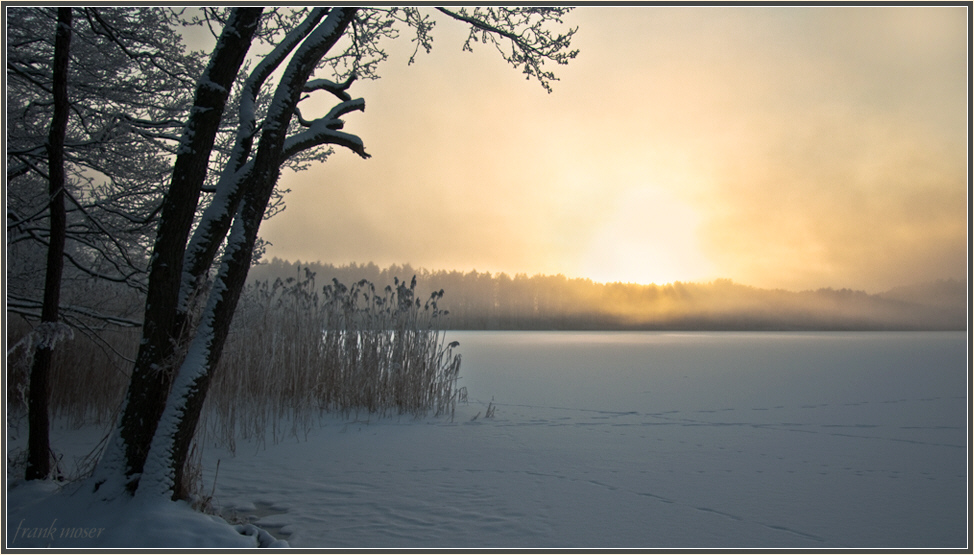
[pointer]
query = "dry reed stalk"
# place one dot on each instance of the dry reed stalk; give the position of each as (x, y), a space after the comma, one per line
(293, 355)
(88, 375)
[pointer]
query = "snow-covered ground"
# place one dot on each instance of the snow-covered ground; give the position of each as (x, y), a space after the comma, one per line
(640, 440)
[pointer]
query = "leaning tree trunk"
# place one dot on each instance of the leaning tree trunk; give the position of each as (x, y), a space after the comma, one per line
(170, 447)
(153, 371)
(38, 440)
(234, 179)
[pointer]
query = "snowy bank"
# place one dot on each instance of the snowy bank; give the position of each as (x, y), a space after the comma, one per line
(44, 514)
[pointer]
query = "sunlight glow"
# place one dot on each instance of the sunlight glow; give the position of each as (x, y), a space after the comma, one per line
(649, 238)
(792, 148)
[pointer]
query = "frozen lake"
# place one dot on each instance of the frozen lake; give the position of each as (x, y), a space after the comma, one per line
(640, 440)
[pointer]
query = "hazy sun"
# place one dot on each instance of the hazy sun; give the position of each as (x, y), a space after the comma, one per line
(650, 237)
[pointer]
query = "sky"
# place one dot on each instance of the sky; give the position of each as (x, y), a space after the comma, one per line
(780, 147)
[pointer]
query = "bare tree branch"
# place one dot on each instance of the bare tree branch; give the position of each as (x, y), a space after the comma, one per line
(531, 43)
(32, 307)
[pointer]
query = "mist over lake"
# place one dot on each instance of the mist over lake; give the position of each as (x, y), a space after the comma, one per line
(485, 301)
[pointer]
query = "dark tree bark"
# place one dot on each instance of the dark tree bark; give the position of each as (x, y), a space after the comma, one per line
(152, 373)
(191, 388)
(174, 367)
(38, 442)
(216, 219)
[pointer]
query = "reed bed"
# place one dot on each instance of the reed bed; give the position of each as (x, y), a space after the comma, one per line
(89, 372)
(294, 353)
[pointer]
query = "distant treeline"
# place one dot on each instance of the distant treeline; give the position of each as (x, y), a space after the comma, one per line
(482, 301)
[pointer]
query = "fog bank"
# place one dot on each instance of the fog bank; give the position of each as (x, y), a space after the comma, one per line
(481, 300)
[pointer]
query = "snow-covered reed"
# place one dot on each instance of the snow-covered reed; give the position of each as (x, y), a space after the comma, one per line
(294, 353)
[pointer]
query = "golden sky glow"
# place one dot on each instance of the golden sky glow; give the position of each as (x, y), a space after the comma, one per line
(791, 147)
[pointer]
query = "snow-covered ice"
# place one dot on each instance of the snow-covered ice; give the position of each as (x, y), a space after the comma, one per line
(630, 440)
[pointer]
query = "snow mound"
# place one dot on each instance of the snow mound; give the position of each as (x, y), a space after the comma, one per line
(44, 514)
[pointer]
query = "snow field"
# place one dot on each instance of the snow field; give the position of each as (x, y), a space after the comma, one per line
(542, 477)
(604, 440)
(703, 444)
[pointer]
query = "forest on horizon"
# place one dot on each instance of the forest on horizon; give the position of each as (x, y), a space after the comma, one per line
(484, 301)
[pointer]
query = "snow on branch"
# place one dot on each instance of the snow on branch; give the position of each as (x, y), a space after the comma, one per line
(164, 123)
(217, 216)
(344, 108)
(317, 137)
(273, 60)
(302, 64)
(324, 130)
(331, 120)
(337, 89)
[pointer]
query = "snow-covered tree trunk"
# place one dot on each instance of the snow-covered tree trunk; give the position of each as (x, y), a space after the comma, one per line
(175, 365)
(38, 442)
(170, 446)
(152, 374)
(235, 177)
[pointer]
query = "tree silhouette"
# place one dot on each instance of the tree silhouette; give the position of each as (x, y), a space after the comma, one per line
(188, 310)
